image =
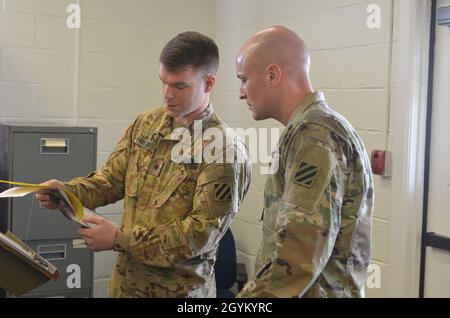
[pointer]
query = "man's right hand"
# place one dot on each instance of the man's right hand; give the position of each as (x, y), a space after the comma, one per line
(42, 195)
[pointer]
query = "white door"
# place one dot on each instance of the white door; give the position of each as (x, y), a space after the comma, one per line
(437, 269)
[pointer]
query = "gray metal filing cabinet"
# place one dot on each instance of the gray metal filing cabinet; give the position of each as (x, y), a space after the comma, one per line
(34, 155)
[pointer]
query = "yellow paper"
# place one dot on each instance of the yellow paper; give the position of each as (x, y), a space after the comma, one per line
(27, 188)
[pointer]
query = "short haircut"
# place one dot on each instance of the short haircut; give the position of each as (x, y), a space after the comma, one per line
(191, 49)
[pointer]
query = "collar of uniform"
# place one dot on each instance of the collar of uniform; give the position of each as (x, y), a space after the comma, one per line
(308, 100)
(204, 117)
(167, 124)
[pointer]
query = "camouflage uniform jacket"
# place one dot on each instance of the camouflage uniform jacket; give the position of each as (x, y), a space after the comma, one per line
(317, 211)
(174, 213)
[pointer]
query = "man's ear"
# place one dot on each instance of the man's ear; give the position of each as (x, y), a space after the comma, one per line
(209, 83)
(273, 75)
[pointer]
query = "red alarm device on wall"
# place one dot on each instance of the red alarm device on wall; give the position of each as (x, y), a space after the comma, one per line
(381, 163)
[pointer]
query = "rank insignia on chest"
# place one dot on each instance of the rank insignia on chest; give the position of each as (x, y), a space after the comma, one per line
(222, 191)
(156, 167)
(306, 174)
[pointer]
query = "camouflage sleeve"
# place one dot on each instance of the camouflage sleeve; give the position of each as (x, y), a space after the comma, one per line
(218, 195)
(106, 185)
(307, 224)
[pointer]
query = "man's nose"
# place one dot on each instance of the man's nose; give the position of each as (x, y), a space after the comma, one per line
(242, 94)
(167, 92)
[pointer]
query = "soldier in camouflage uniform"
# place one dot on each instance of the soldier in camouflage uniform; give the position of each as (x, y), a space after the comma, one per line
(175, 213)
(318, 205)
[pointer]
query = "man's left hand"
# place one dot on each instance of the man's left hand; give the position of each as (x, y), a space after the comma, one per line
(102, 236)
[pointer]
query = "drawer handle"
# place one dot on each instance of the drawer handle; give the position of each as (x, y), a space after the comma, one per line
(54, 146)
(53, 252)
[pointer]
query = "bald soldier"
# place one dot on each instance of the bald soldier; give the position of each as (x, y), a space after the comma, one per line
(175, 212)
(318, 204)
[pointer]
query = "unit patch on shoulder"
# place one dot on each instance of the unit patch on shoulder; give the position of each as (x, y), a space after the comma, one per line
(222, 191)
(306, 174)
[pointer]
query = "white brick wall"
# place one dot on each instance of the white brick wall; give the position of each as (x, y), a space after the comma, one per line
(36, 66)
(48, 101)
(39, 7)
(16, 99)
(105, 70)
(371, 63)
(21, 25)
(350, 63)
(365, 109)
(51, 34)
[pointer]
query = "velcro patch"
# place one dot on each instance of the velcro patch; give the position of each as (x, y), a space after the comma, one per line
(222, 191)
(306, 174)
(147, 144)
(156, 167)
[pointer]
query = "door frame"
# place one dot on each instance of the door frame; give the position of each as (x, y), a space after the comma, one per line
(424, 243)
(409, 144)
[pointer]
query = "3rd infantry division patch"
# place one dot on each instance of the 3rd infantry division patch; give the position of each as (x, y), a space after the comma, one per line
(306, 174)
(222, 191)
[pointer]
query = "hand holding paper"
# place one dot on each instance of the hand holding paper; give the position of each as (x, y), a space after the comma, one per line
(102, 236)
(61, 199)
(43, 195)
